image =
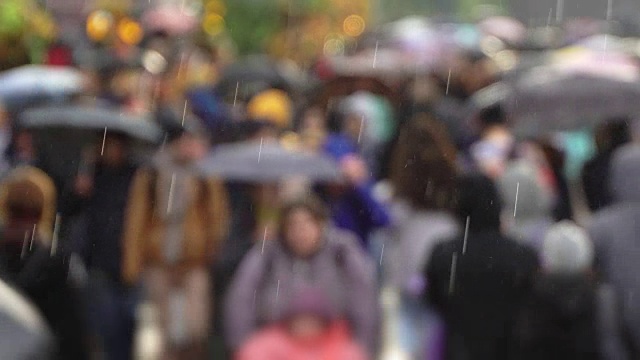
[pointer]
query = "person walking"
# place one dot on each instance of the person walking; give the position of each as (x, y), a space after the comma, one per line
(176, 222)
(308, 253)
(479, 281)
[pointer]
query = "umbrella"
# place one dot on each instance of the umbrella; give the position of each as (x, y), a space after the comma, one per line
(24, 333)
(504, 28)
(89, 118)
(265, 162)
(30, 83)
(560, 102)
(172, 19)
(247, 77)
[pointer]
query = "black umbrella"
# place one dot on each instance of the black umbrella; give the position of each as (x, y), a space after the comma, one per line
(62, 133)
(245, 78)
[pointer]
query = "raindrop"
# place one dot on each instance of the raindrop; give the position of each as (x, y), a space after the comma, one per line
(171, 187)
(452, 276)
(264, 239)
(466, 235)
(184, 111)
(515, 206)
(104, 139)
(375, 55)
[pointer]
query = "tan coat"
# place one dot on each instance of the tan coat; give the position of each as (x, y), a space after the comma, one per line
(204, 229)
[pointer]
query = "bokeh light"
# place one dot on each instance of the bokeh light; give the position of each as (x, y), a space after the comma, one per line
(99, 24)
(213, 24)
(354, 25)
(129, 31)
(216, 7)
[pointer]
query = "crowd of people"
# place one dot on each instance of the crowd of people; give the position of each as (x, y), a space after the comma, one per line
(446, 235)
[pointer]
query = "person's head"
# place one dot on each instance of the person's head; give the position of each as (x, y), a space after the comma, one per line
(24, 201)
(424, 164)
(567, 250)
(302, 224)
(523, 190)
(189, 147)
(492, 116)
(187, 138)
(477, 199)
(613, 134)
(116, 150)
(28, 195)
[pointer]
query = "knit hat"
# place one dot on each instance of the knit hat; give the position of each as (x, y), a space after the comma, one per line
(273, 106)
(567, 249)
(29, 192)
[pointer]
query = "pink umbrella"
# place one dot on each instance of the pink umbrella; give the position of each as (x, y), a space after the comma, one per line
(172, 19)
(504, 28)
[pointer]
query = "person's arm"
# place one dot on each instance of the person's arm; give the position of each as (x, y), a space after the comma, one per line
(240, 313)
(434, 294)
(137, 216)
(363, 307)
(218, 213)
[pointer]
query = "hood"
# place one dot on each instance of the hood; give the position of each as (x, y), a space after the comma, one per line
(625, 172)
(522, 183)
(566, 296)
(41, 180)
(478, 200)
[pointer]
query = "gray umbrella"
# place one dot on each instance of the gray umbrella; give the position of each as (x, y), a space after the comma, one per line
(264, 162)
(24, 332)
(31, 85)
(91, 118)
(541, 104)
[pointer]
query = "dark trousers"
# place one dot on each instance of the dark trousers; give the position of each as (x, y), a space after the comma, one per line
(112, 313)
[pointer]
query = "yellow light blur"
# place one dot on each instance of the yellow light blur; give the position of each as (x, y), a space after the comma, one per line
(353, 25)
(99, 24)
(333, 47)
(129, 31)
(213, 24)
(216, 7)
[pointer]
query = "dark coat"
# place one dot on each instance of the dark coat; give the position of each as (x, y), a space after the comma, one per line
(560, 320)
(479, 289)
(103, 217)
(44, 279)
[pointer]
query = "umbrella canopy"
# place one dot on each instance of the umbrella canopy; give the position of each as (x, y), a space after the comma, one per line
(247, 77)
(30, 83)
(174, 20)
(267, 162)
(569, 94)
(24, 333)
(89, 118)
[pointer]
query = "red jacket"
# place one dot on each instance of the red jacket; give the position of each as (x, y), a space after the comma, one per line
(274, 343)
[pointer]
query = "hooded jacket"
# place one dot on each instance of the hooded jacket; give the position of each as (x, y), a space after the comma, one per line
(270, 274)
(40, 272)
(560, 320)
(614, 231)
(480, 285)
